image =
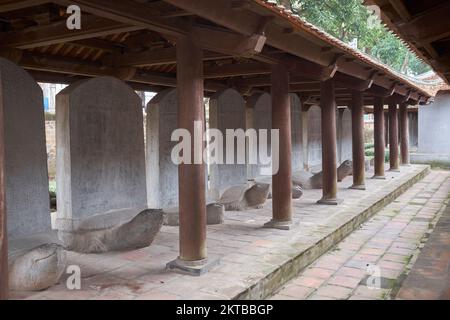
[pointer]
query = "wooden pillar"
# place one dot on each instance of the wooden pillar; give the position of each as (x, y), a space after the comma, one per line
(379, 136)
(359, 171)
(329, 168)
(4, 278)
(404, 133)
(386, 128)
(393, 138)
(281, 120)
(191, 177)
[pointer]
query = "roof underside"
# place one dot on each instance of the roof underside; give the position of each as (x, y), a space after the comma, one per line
(135, 40)
(424, 26)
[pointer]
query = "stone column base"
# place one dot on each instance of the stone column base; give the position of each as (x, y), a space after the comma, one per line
(379, 177)
(281, 225)
(394, 170)
(358, 187)
(192, 268)
(330, 202)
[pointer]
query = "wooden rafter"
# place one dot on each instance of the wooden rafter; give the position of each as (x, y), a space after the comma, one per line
(11, 5)
(58, 33)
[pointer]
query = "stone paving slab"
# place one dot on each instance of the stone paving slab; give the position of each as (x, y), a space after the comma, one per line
(254, 261)
(429, 278)
(373, 260)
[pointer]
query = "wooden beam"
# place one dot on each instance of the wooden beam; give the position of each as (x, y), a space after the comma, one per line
(227, 42)
(401, 9)
(11, 5)
(92, 27)
(141, 15)
(382, 92)
(297, 43)
(45, 63)
(352, 83)
(238, 69)
(100, 44)
(154, 57)
(130, 13)
(430, 26)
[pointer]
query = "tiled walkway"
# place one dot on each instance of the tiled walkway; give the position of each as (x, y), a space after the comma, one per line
(372, 261)
(430, 275)
(252, 259)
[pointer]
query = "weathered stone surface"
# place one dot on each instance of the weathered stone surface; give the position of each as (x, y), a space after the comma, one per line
(25, 153)
(35, 265)
(226, 111)
(100, 130)
(35, 259)
(247, 196)
(214, 215)
(314, 137)
(297, 190)
(367, 164)
(259, 117)
(308, 180)
(162, 173)
(101, 235)
(302, 179)
(344, 143)
(344, 170)
(296, 133)
(434, 129)
(316, 181)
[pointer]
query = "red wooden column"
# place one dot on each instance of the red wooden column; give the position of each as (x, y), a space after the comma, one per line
(404, 134)
(359, 171)
(4, 282)
(386, 128)
(281, 120)
(329, 163)
(191, 177)
(393, 138)
(379, 136)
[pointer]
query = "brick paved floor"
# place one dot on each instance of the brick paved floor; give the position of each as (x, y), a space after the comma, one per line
(250, 253)
(388, 243)
(430, 275)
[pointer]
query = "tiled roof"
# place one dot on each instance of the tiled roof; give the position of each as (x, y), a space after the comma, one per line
(297, 21)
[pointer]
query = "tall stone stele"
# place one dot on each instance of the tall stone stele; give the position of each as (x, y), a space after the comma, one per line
(101, 183)
(162, 172)
(36, 259)
(227, 111)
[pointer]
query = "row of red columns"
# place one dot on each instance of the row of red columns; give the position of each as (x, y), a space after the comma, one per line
(192, 202)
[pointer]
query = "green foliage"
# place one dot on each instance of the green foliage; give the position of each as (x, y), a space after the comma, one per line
(370, 153)
(369, 146)
(348, 20)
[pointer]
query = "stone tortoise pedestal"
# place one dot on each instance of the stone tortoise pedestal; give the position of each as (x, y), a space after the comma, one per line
(101, 175)
(36, 259)
(112, 231)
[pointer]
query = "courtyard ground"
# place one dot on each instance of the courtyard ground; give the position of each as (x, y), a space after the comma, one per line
(255, 262)
(389, 243)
